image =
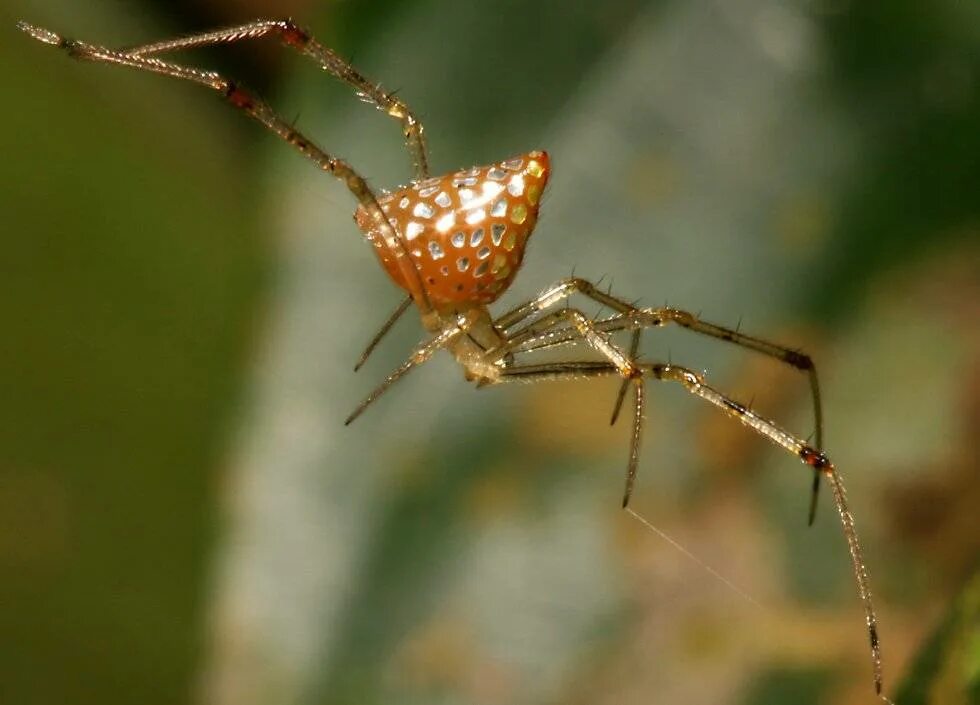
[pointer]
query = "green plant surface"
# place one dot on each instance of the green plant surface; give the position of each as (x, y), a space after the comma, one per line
(947, 668)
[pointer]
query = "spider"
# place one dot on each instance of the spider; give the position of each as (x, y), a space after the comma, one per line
(455, 242)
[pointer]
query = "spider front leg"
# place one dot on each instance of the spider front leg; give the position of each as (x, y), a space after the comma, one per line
(295, 37)
(259, 110)
(695, 384)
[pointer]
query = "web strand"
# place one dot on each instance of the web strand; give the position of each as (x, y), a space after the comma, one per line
(704, 566)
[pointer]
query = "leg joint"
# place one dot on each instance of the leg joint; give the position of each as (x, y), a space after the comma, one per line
(658, 316)
(674, 373)
(576, 284)
(799, 360)
(816, 459)
(292, 34)
(74, 48)
(238, 96)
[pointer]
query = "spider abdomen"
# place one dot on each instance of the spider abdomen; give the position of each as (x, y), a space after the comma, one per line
(466, 231)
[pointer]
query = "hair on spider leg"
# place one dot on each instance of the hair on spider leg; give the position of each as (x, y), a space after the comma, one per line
(365, 98)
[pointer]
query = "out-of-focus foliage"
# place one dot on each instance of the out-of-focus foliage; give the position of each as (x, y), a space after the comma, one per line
(947, 668)
(131, 267)
(182, 515)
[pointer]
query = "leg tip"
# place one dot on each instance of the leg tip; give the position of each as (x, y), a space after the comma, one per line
(46, 36)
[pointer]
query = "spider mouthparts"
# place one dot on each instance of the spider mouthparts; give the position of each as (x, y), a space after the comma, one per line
(39, 33)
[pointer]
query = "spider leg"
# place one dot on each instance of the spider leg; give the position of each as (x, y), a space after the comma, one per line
(624, 385)
(256, 108)
(639, 403)
(535, 340)
(295, 37)
(654, 317)
(392, 319)
(811, 456)
(581, 328)
(564, 289)
(545, 332)
(558, 292)
(420, 355)
(695, 384)
(535, 337)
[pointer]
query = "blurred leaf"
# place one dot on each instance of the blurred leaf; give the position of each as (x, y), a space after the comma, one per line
(947, 668)
(130, 272)
(910, 81)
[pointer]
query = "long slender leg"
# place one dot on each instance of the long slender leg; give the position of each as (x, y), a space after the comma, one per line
(642, 318)
(546, 332)
(585, 331)
(257, 109)
(556, 372)
(809, 455)
(562, 290)
(535, 340)
(794, 358)
(633, 318)
(639, 392)
(624, 385)
(392, 319)
(421, 354)
(586, 370)
(295, 37)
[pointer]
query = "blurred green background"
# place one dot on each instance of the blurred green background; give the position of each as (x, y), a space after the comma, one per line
(183, 517)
